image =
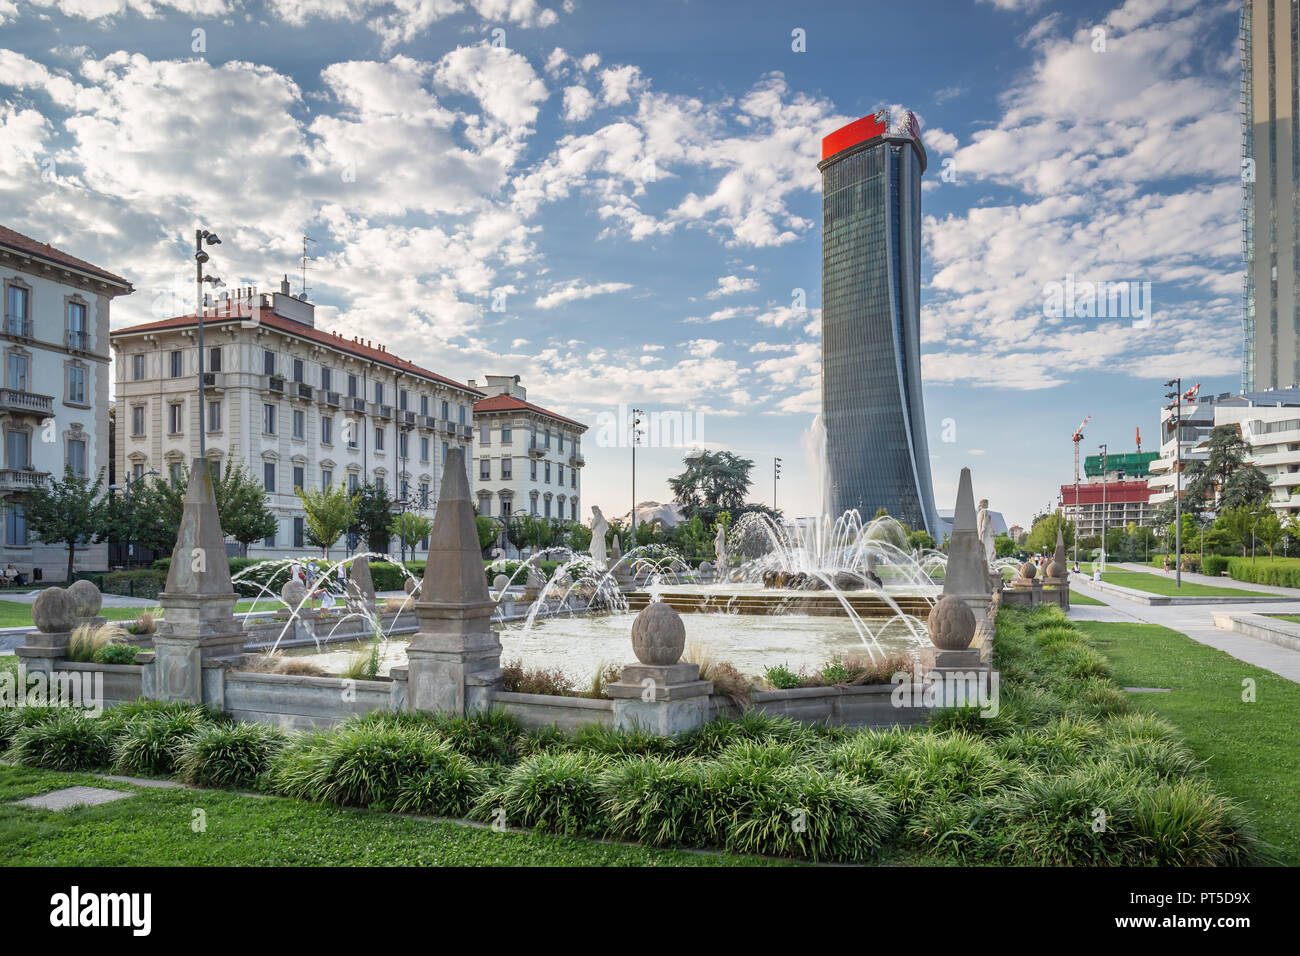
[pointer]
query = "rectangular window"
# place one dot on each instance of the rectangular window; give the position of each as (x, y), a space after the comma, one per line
(573, 478)
(77, 457)
(401, 399)
(424, 449)
(350, 429)
(299, 423)
(268, 419)
(353, 483)
(76, 385)
(379, 439)
(268, 476)
(445, 413)
(326, 379)
(444, 453)
(17, 450)
(379, 393)
(269, 540)
(16, 312)
(352, 386)
(137, 420)
(299, 477)
(214, 359)
(532, 469)
(299, 535)
(485, 468)
(548, 507)
(298, 370)
(548, 438)
(560, 446)
(424, 404)
(137, 471)
(326, 431)
(573, 511)
(402, 445)
(485, 435)
(462, 414)
(177, 369)
(15, 516)
(506, 469)
(505, 434)
(176, 418)
(214, 416)
(174, 473)
(78, 334)
(559, 474)
(326, 478)
(424, 494)
(268, 362)
(137, 368)
(548, 472)
(18, 366)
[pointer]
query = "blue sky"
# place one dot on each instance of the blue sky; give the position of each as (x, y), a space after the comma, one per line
(636, 185)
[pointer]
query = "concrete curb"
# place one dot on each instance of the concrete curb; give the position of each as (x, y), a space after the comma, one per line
(1282, 633)
(1169, 600)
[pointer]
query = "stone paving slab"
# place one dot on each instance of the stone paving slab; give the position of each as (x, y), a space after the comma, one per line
(73, 797)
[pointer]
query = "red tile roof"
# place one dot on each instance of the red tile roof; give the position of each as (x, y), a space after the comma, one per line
(503, 403)
(43, 250)
(264, 316)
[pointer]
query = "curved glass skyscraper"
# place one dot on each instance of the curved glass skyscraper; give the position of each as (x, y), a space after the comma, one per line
(872, 410)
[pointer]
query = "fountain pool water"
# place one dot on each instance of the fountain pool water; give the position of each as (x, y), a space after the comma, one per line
(581, 645)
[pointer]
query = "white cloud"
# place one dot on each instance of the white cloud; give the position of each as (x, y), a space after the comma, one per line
(575, 290)
(730, 285)
(578, 103)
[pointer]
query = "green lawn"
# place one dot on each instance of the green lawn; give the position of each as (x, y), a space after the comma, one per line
(19, 614)
(1291, 618)
(1158, 583)
(1250, 748)
(1077, 598)
(154, 828)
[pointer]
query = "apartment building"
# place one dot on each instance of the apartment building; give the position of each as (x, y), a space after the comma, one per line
(298, 406)
(527, 457)
(55, 397)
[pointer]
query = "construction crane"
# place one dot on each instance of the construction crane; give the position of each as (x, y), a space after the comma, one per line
(1078, 509)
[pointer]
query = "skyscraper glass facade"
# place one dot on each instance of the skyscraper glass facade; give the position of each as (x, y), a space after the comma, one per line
(877, 454)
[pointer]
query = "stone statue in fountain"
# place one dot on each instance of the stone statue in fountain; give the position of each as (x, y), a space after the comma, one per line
(599, 528)
(534, 580)
(984, 527)
(720, 549)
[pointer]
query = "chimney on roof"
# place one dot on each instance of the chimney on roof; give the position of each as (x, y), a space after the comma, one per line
(284, 285)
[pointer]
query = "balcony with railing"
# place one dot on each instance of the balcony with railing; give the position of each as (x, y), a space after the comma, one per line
(302, 390)
(79, 339)
(19, 325)
(576, 460)
(17, 480)
(15, 401)
(536, 449)
(275, 383)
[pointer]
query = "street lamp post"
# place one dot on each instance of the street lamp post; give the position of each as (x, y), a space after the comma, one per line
(636, 435)
(1103, 507)
(1253, 524)
(776, 476)
(1177, 396)
(403, 440)
(202, 237)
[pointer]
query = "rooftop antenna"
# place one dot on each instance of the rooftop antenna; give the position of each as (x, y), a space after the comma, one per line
(305, 239)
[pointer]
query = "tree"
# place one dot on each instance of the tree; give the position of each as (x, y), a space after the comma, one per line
(1269, 531)
(1248, 487)
(373, 512)
(696, 540)
(1004, 546)
(1042, 536)
(1237, 522)
(488, 529)
(712, 480)
(69, 510)
(920, 540)
(327, 514)
(1224, 480)
(412, 531)
(242, 506)
(577, 537)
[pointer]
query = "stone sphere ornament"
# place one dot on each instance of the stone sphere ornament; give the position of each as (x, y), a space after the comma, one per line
(87, 598)
(293, 593)
(54, 611)
(1028, 570)
(951, 624)
(500, 582)
(410, 585)
(1055, 570)
(658, 635)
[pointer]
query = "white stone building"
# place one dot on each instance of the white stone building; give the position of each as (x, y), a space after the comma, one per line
(1269, 421)
(296, 405)
(55, 397)
(526, 458)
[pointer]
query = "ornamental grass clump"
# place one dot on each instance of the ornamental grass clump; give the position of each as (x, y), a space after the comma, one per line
(13, 719)
(150, 744)
(947, 766)
(621, 743)
(65, 739)
(710, 739)
(486, 737)
(1185, 823)
(359, 763)
(556, 792)
(1058, 745)
(657, 801)
(234, 755)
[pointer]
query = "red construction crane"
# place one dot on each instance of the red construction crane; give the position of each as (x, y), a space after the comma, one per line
(1078, 512)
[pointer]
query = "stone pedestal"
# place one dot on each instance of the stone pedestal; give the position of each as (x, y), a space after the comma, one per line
(661, 699)
(41, 649)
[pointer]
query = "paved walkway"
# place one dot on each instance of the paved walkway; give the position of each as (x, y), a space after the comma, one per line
(1197, 622)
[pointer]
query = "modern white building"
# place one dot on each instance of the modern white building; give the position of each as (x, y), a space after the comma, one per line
(298, 406)
(55, 397)
(526, 457)
(1269, 421)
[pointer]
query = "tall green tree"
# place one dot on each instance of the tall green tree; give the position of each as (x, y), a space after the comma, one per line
(327, 514)
(410, 528)
(1042, 536)
(68, 510)
(1269, 531)
(712, 480)
(1224, 480)
(373, 512)
(244, 508)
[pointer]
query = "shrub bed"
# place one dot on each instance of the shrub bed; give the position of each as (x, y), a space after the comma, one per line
(1062, 775)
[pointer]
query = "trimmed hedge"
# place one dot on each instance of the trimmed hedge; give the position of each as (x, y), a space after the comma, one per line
(1281, 573)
